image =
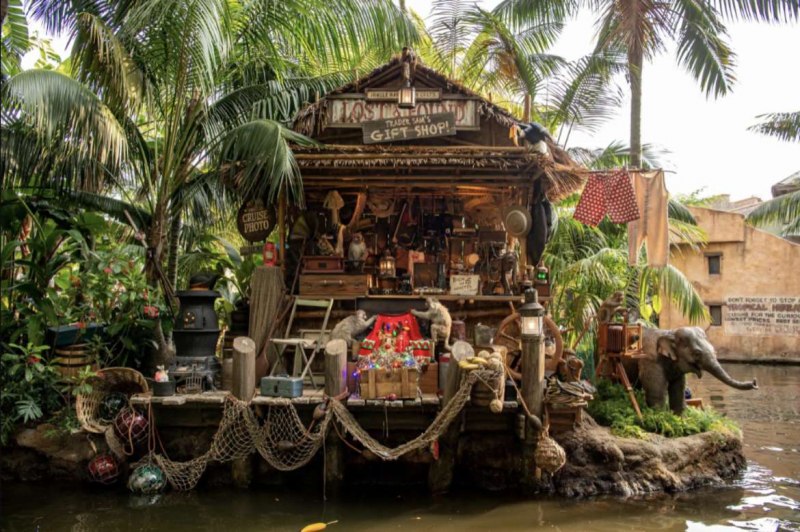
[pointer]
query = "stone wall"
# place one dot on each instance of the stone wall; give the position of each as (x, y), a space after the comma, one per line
(755, 268)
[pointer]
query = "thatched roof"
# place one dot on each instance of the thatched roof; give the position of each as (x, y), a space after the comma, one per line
(489, 167)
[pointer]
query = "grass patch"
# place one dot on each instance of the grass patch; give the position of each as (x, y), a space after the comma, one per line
(611, 408)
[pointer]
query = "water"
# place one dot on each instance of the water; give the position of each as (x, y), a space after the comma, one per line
(765, 498)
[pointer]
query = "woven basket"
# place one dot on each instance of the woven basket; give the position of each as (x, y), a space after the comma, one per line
(124, 380)
(549, 455)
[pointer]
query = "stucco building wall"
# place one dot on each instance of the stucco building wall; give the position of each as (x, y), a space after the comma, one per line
(753, 264)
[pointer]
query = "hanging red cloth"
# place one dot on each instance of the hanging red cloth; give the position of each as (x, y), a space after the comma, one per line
(408, 333)
(608, 193)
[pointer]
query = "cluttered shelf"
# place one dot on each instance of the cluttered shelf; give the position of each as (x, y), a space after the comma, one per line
(440, 297)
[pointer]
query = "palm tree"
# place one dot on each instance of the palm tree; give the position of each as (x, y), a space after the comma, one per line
(783, 126)
(640, 29)
(172, 98)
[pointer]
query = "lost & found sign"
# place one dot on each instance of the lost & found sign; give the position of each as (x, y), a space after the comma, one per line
(409, 127)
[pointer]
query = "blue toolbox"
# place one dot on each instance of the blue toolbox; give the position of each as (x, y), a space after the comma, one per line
(282, 385)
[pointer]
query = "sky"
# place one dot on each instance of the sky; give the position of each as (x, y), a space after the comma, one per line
(709, 146)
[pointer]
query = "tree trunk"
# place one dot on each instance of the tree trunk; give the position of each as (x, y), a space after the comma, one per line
(635, 61)
(172, 261)
(155, 241)
(403, 6)
(3, 11)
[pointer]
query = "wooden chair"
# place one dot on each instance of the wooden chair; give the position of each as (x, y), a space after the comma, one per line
(302, 361)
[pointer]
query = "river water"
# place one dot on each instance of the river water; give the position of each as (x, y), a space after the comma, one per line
(765, 498)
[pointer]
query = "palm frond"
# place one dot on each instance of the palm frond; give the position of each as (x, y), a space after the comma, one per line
(675, 287)
(783, 211)
(783, 126)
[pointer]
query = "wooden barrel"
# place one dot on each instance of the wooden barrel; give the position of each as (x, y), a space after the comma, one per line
(482, 395)
(458, 331)
(72, 359)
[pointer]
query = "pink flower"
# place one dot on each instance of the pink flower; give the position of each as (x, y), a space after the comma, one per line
(150, 311)
(107, 269)
(34, 359)
(80, 325)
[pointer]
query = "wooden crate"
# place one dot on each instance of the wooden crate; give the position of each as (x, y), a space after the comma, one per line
(562, 418)
(378, 383)
(334, 285)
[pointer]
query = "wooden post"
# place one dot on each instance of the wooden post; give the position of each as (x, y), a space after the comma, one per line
(440, 473)
(335, 384)
(526, 109)
(533, 395)
(282, 229)
(244, 370)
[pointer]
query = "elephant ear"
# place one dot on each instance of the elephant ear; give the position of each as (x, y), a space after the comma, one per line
(666, 346)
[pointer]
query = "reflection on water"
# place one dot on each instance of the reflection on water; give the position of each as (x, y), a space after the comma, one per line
(766, 498)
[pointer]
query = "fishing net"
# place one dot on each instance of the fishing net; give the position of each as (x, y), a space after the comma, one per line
(286, 443)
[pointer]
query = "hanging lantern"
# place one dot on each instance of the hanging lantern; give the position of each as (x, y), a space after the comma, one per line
(147, 478)
(103, 469)
(268, 254)
(532, 314)
(542, 280)
(387, 265)
(130, 426)
(111, 405)
(407, 97)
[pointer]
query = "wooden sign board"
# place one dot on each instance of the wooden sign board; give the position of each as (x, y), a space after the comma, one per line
(255, 221)
(351, 110)
(464, 285)
(409, 127)
(390, 95)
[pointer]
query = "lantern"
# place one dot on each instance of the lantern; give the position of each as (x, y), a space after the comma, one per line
(147, 478)
(268, 254)
(542, 280)
(103, 469)
(387, 265)
(111, 405)
(532, 314)
(131, 426)
(407, 97)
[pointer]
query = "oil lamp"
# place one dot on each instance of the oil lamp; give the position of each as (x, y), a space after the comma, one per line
(268, 254)
(387, 265)
(532, 314)
(407, 97)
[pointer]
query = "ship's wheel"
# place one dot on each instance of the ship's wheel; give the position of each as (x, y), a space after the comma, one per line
(509, 335)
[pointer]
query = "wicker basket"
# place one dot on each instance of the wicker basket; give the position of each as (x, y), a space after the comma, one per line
(124, 380)
(549, 455)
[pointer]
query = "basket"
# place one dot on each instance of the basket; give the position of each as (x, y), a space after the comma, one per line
(549, 455)
(124, 380)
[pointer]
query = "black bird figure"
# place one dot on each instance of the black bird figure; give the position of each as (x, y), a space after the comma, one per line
(536, 134)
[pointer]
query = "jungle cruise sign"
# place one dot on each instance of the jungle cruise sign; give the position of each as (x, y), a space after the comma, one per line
(352, 110)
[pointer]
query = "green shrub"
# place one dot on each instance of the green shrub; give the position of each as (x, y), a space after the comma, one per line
(612, 408)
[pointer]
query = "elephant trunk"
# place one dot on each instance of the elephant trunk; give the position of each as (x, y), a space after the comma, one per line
(711, 365)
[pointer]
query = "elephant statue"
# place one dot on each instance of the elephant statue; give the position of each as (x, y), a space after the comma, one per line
(668, 356)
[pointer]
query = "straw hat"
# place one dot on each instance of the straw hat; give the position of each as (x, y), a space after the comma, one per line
(517, 221)
(381, 206)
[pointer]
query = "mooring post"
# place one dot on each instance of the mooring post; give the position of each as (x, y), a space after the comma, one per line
(335, 385)
(440, 473)
(244, 370)
(532, 314)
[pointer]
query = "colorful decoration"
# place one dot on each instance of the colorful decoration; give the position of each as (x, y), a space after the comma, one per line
(393, 351)
(147, 478)
(161, 374)
(111, 405)
(130, 426)
(103, 469)
(407, 329)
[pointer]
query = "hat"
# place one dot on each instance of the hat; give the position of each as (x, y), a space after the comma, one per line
(381, 206)
(517, 221)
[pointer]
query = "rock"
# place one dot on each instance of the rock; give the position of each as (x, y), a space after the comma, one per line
(599, 462)
(49, 441)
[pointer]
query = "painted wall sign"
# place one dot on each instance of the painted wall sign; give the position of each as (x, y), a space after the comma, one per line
(390, 95)
(350, 112)
(464, 285)
(409, 127)
(255, 221)
(762, 316)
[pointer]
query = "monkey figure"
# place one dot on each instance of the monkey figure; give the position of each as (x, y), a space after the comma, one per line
(609, 307)
(441, 322)
(325, 248)
(351, 326)
(357, 252)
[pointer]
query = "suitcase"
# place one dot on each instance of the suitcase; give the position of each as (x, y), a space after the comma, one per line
(334, 285)
(281, 386)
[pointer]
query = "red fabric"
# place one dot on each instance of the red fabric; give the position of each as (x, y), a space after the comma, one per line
(413, 334)
(609, 193)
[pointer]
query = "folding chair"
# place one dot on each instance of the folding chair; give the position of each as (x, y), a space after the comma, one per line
(302, 362)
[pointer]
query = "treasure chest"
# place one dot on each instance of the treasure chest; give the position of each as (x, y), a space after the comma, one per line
(379, 383)
(323, 264)
(334, 285)
(281, 386)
